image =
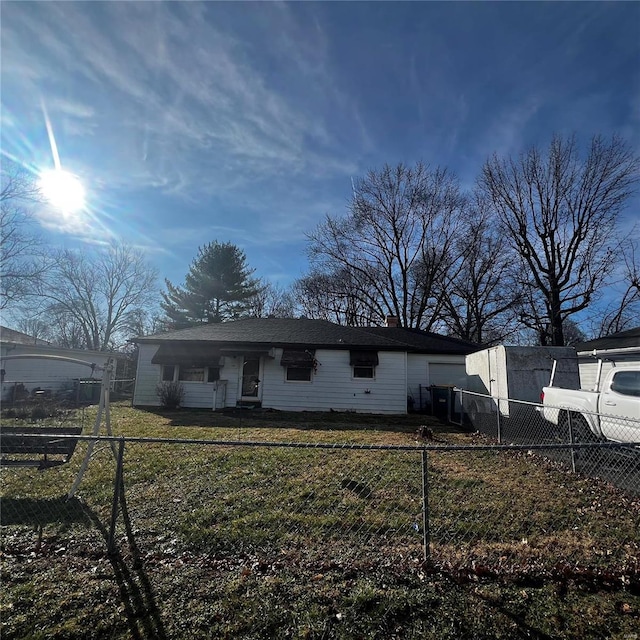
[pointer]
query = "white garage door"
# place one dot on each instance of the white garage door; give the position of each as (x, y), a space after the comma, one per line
(447, 374)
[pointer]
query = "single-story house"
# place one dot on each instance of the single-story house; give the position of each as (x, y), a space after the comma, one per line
(620, 349)
(26, 375)
(299, 364)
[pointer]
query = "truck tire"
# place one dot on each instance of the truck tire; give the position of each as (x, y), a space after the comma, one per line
(579, 425)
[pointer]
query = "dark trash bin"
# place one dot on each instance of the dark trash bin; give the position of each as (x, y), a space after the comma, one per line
(88, 390)
(440, 399)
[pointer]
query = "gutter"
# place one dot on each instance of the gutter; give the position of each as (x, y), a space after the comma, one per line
(602, 353)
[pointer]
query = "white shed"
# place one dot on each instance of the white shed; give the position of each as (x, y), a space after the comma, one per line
(26, 375)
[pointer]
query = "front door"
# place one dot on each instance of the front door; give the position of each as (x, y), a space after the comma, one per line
(251, 379)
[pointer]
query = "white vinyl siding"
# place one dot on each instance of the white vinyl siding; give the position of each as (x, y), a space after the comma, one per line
(333, 387)
(196, 394)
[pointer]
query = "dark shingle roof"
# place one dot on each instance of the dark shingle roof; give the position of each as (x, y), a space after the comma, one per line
(621, 340)
(425, 341)
(282, 332)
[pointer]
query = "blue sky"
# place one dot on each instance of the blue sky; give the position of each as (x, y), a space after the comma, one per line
(243, 122)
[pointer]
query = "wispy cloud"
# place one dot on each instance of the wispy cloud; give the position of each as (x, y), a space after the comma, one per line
(245, 121)
(195, 92)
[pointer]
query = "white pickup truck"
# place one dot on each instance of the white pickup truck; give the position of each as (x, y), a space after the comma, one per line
(611, 413)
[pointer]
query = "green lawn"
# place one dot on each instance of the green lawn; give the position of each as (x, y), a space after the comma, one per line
(260, 542)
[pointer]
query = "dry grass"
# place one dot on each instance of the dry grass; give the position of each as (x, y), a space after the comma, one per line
(256, 542)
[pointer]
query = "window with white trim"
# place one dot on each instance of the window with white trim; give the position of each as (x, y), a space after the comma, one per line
(184, 373)
(298, 374)
(168, 372)
(298, 364)
(191, 374)
(364, 363)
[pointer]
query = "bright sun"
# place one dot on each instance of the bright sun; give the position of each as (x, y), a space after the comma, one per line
(62, 189)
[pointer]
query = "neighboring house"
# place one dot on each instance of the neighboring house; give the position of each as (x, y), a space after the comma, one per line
(42, 373)
(298, 365)
(618, 349)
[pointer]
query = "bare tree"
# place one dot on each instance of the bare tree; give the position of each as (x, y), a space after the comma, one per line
(22, 254)
(560, 213)
(396, 244)
(573, 333)
(271, 301)
(480, 299)
(336, 297)
(624, 313)
(65, 330)
(96, 298)
(37, 328)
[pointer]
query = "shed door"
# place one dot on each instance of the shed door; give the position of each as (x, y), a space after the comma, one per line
(447, 374)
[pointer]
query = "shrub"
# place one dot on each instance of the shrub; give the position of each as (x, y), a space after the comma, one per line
(171, 394)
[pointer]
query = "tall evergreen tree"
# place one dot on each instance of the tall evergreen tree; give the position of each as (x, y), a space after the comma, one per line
(218, 287)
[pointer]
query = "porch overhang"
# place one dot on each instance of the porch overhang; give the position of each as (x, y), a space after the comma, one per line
(192, 355)
(254, 352)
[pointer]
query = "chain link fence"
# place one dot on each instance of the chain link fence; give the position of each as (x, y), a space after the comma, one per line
(173, 521)
(517, 422)
(453, 504)
(22, 400)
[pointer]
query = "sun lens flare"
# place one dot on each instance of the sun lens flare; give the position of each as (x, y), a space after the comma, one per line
(63, 190)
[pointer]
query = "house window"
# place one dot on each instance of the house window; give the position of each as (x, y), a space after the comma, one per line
(191, 374)
(298, 364)
(299, 374)
(168, 372)
(364, 363)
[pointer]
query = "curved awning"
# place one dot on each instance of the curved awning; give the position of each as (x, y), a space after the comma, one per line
(298, 358)
(363, 358)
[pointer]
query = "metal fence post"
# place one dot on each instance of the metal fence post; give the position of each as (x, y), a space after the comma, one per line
(425, 506)
(116, 497)
(571, 441)
(499, 434)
